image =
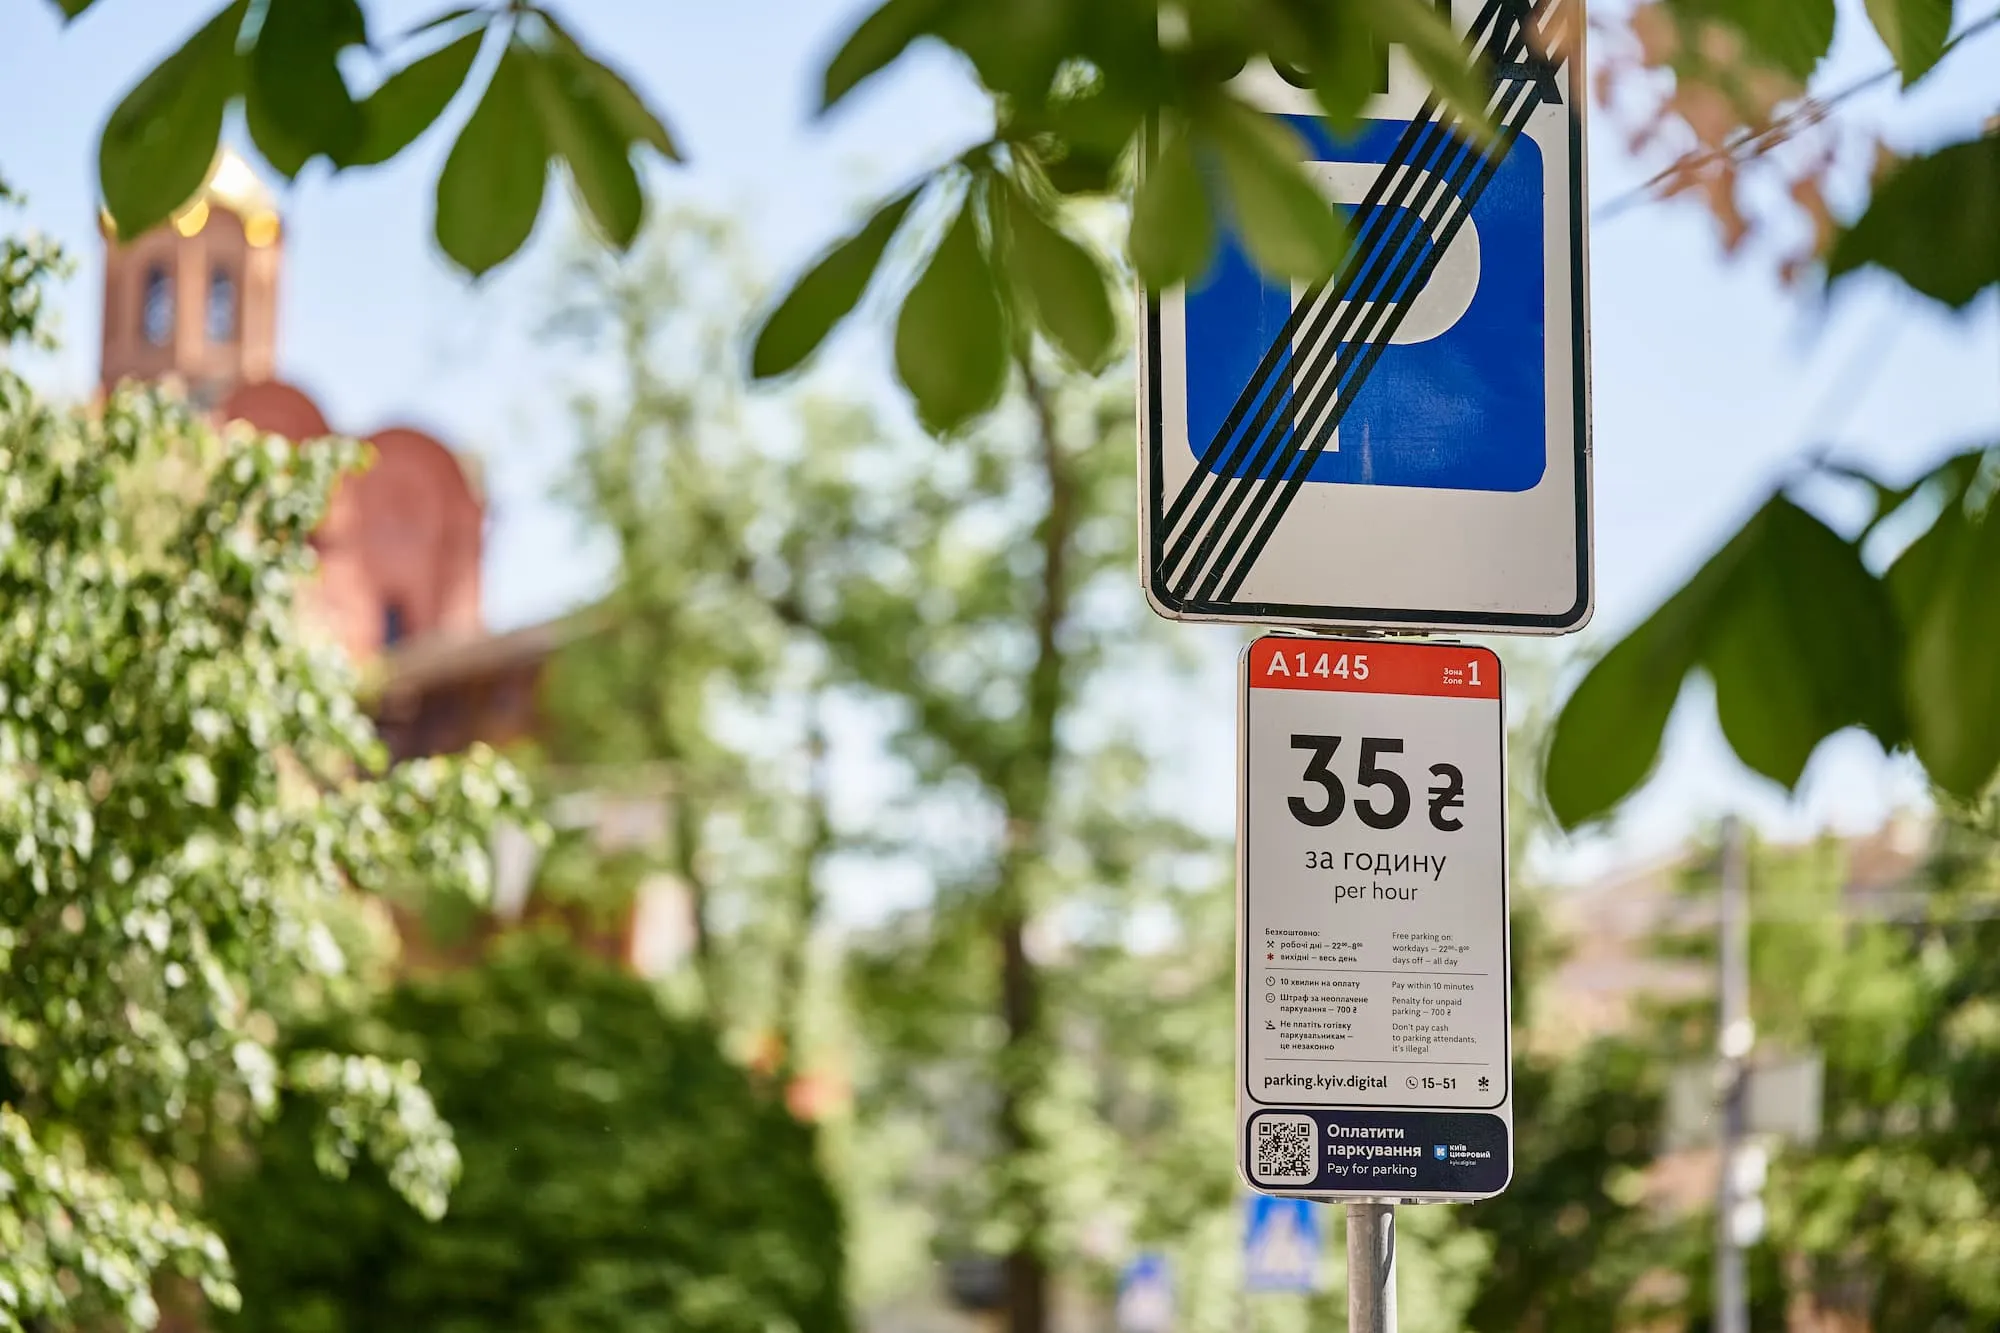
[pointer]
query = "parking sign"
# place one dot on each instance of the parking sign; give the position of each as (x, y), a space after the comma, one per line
(1407, 445)
(1373, 1011)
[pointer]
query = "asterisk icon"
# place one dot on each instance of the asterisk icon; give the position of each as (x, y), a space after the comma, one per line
(1269, 956)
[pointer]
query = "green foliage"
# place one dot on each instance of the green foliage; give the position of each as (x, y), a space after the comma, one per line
(700, 493)
(1915, 31)
(1281, 215)
(1064, 285)
(1889, 1219)
(951, 338)
(582, 130)
(1934, 222)
(1791, 36)
(1570, 1237)
(408, 101)
(1076, 84)
(27, 267)
(294, 76)
(490, 191)
(824, 296)
(882, 37)
(1172, 236)
(1799, 637)
(619, 1174)
(548, 98)
(188, 793)
(160, 140)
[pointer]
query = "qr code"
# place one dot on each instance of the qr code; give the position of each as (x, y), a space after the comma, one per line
(1287, 1150)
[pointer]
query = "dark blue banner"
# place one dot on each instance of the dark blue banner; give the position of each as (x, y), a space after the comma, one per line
(1312, 1150)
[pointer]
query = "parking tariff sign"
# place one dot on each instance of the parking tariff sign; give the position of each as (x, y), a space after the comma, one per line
(1373, 1006)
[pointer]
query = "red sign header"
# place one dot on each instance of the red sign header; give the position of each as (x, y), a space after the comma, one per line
(1374, 666)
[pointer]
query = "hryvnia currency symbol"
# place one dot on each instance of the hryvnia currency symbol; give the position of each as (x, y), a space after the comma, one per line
(1447, 796)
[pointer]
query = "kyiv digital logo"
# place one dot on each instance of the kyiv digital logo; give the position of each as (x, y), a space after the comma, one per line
(1437, 1151)
(1457, 400)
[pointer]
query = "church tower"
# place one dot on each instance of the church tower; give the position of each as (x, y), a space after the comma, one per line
(196, 301)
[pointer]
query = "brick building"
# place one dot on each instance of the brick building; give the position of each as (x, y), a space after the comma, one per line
(194, 304)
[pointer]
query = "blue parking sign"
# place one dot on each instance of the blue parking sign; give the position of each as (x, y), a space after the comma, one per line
(1407, 444)
(1460, 406)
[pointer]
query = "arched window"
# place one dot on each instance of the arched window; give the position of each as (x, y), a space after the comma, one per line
(394, 628)
(221, 323)
(156, 307)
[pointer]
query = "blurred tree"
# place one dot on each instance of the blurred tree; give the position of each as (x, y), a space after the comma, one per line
(620, 1174)
(187, 793)
(1571, 1237)
(1894, 1216)
(699, 682)
(1890, 1220)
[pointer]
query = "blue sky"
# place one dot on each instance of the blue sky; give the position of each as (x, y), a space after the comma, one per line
(1710, 379)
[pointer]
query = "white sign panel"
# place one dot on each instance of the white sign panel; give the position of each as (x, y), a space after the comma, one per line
(1409, 444)
(1373, 1007)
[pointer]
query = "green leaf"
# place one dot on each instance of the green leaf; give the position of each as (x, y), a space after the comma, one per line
(279, 150)
(1788, 35)
(1063, 281)
(882, 36)
(1458, 74)
(490, 190)
(827, 292)
(1799, 639)
(160, 142)
(1607, 737)
(1945, 585)
(1290, 229)
(1346, 67)
(1806, 643)
(72, 8)
(445, 18)
(583, 133)
(295, 76)
(1915, 31)
(1172, 237)
(620, 101)
(951, 342)
(410, 100)
(1017, 46)
(1934, 222)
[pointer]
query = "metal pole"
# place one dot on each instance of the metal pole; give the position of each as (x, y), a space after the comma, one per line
(1371, 1268)
(1735, 1037)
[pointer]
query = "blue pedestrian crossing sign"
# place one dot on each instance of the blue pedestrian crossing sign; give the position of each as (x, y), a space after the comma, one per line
(1146, 1296)
(1281, 1244)
(1406, 445)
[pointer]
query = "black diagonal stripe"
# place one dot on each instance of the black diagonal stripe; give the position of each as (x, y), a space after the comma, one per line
(1361, 303)
(1420, 140)
(1299, 465)
(1353, 364)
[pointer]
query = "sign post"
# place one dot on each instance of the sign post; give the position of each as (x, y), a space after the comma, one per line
(1371, 1268)
(1402, 448)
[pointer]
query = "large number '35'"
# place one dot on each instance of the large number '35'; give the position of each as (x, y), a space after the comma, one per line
(1369, 773)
